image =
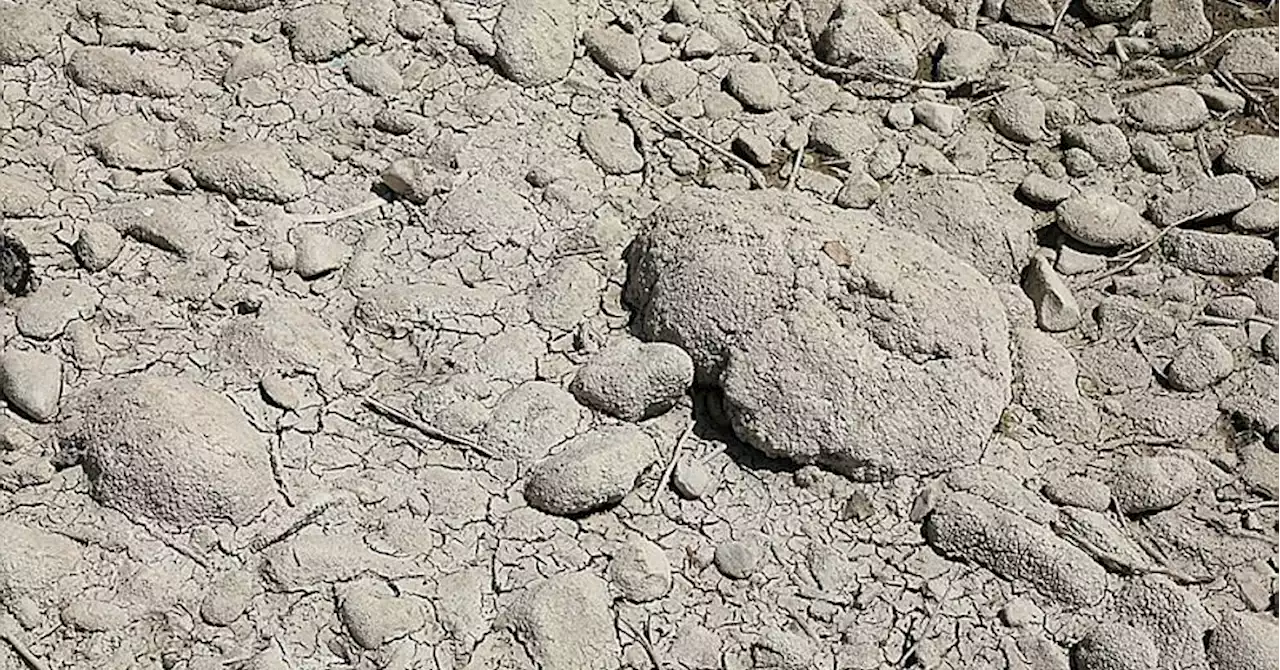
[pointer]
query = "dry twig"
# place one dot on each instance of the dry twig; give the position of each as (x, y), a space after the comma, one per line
(675, 456)
(22, 651)
(757, 178)
(645, 642)
(1134, 255)
(423, 427)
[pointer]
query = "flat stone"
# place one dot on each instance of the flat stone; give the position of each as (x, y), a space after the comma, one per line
(616, 50)
(1179, 27)
(1100, 220)
(755, 86)
(1219, 253)
(640, 570)
(1200, 364)
(611, 145)
(1207, 198)
(736, 560)
(32, 383)
(253, 169)
(1043, 191)
(938, 117)
(1171, 109)
(1019, 116)
(1253, 156)
(1151, 483)
(1260, 218)
(534, 40)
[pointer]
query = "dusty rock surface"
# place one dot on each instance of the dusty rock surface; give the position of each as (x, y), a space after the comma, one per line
(674, 334)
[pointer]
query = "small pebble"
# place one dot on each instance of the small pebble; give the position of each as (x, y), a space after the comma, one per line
(1202, 363)
(692, 479)
(97, 246)
(32, 383)
(317, 254)
(736, 560)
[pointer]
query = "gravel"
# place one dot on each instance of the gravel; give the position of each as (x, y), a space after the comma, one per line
(1252, 156)
(611, 144)
(640, 571)
(31, 382)
(254, 170)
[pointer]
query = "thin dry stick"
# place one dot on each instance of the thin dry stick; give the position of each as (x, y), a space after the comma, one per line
(1207, 49)
(368, 205)
(645, 642)
(263, 541)
(757, 178)
(795, 170)
(1062, 13)
(1134, 255)
(928, 628)
(423, 427)
(23, 652)
(675, 456)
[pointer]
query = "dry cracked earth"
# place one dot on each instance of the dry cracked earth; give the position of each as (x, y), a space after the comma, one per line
(671, 334)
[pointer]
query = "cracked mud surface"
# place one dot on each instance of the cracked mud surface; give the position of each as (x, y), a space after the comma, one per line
(674, 334)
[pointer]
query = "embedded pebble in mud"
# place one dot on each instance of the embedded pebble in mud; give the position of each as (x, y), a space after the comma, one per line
(176, 225)
(668, 82)
(942, 119)
(26, 33)
(737, 560)
(1105, 142)
(317, 33)
(1203, 362)
(415, 179)
(856, 34)
(169, 450)
(44, 315)
(1152, 154)
(692, 479)
(591, 471)
(611, 144)
(1100, 220)
(1242, 642)
(1219, 253)
(97, 245)
(374, 75)
(1252, 156)
(566, 622)
(1114, 646)
(374, 616)
(966, 527)
(118, 70)
(1077, 491)
(1044, 191)
(534, 40)
(228, 597)
(126, 143)
(964, 55)
(616, 50)
(1045, 383)
(19, 196)
(32, 383)
(255, 170)
(1172, 109)
(1151, 483)
(1179, 27)
(755, 86)
(1019, 116)
(317, 254)
(634, 380)
(640, 570)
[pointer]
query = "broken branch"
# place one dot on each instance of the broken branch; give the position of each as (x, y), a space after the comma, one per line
(423, 427)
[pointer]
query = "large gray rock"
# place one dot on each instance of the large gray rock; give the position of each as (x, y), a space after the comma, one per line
(535, 40)
(1179, 27)
(1219, 253)
(857, 36)
(1253, 156)
(168, 449)
(1101, 220)
(1045, 383)
(869, 350)
(969, 528)
(973, 220)
(26, 33)
(566, 623)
